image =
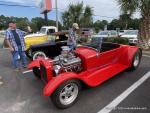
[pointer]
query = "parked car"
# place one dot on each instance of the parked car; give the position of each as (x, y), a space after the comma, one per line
(50, 49)
(86, 32)
(90, 64)
(107, 34)
(132, 35)
(121, 32)
(40, 37)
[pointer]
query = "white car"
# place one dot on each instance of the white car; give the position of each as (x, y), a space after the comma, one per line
(107, 34)
(132, 35)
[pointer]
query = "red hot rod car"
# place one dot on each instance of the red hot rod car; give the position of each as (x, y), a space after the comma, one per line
(91, 64)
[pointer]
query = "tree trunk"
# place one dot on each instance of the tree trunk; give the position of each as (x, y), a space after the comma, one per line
(145, 31)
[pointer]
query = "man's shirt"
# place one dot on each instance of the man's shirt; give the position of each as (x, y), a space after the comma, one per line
(16, 37)
(14, 41)
(71, 38)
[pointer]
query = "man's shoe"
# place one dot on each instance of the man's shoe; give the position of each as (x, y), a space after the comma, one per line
(1, 83)
(17, 69)
(24, 66)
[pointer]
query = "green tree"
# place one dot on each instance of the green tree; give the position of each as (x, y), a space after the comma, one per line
(125, 19)
(131, 6)
(37, 23)
(77, 13)
(124, 23)
(99, 25)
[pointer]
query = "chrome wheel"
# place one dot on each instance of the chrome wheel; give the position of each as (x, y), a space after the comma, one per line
(39, 54)
(136, 60)
(69, 93)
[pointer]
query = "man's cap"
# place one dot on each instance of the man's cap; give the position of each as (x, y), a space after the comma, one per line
(75, 25)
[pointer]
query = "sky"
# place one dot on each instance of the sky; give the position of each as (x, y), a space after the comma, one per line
(103, 9)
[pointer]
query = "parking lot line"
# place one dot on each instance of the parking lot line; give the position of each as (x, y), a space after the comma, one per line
(112, 105)
(146, 56)
(27, 71)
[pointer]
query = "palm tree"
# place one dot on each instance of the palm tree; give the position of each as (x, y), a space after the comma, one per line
(125, 18)
(77, 13)
(131, 6)
(87, 19)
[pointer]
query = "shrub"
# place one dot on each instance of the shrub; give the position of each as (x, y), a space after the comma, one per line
(118, 40)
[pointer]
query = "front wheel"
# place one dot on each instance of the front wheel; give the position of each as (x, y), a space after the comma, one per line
(38, 54)
(136, 60)
(66, 94)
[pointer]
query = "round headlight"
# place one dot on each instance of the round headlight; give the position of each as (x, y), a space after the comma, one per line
(57, 69)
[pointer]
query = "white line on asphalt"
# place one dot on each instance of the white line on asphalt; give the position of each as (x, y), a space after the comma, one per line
(27, 71)
(146, 56)
(121, 97)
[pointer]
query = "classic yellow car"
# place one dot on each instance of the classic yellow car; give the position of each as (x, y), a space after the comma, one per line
(43, 36)
(35, 39)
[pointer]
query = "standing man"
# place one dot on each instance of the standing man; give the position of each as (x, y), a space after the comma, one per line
(15, 41)
(72, 36)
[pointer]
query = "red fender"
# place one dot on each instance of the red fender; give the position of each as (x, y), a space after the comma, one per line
(56, 81)
(134, 49)
(34, 63)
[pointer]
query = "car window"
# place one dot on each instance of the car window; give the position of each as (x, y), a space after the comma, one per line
(113, 33)
(50, 31)
(61, 38)
(43, 30)
(103, 33)
(131, 32)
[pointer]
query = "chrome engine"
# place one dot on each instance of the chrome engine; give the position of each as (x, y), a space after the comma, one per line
(67, 61)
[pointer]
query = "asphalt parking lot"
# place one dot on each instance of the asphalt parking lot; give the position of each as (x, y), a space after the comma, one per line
(22, 93)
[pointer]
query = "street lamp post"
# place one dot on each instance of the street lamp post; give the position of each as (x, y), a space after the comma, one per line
(56, 14)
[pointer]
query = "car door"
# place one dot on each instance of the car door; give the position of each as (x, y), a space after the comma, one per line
(108, 57)
(102, 63)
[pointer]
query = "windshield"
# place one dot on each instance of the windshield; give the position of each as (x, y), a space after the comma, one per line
(131, 33)
(113, 33)
(93, 42)
(43, 30)
(103, 33)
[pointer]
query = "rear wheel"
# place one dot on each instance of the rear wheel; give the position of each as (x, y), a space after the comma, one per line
(38, 54)
(66, 94)
(36, 72)
(136, 60)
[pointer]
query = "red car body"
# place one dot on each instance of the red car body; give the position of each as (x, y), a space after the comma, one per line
(97, 67)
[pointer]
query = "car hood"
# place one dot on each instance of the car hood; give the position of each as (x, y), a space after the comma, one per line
(34, 35)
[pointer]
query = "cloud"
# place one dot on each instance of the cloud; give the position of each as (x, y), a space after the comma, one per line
(104, 9)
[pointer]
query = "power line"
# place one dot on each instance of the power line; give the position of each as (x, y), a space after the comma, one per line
(18, 5)
(14, 2)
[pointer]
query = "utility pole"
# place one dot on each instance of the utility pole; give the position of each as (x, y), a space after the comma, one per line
(56, 14)
(46, 18)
